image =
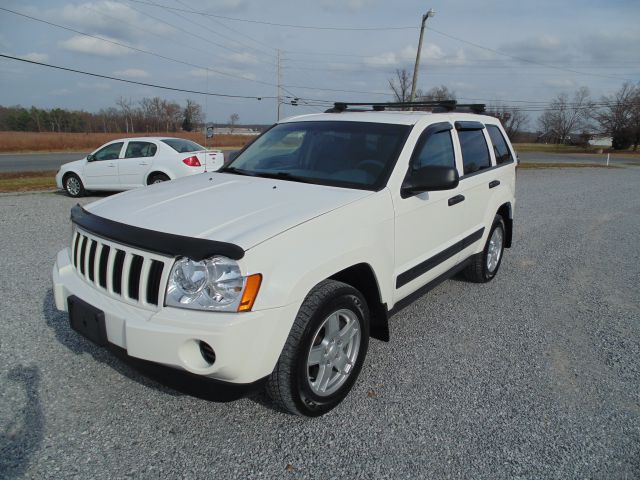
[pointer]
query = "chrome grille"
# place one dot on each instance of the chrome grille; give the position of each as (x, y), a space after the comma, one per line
(131, 275)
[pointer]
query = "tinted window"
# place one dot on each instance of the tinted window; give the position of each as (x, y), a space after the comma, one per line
(437, 150)
(500, 148)
(110, 152)
(140, 149)
(343, 153)
(183, 146)
(475, 153)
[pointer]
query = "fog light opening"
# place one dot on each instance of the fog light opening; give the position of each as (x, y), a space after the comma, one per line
(207, 352)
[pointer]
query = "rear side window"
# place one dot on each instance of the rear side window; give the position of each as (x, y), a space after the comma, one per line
(183, 146)
(436, 150)
(500, 148)
(140, 149)
(475, 152)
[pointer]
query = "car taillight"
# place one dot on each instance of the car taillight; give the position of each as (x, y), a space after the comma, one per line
(192, 161)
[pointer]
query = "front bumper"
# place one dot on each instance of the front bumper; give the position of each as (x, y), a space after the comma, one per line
(247, 345)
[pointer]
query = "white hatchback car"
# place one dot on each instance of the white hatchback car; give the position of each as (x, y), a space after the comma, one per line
(134, 162)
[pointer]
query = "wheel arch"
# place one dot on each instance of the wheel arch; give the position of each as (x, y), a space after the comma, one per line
(362, 277)
(506, 212)
(156, 171)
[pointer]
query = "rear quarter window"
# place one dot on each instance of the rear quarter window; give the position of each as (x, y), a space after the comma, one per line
(183, 146)
(500, 148)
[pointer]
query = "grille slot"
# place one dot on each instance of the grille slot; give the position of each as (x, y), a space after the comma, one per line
(132, 276)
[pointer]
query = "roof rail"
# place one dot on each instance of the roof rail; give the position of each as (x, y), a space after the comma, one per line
(438, 106)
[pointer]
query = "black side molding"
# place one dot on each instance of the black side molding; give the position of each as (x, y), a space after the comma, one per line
(151, 240)
(429, 263)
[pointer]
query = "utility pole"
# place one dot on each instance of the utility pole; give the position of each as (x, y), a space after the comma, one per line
(279, 83)
(430, 13)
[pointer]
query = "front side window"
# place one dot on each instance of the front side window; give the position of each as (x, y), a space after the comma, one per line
(435, 151)
(110, 152)
(339, 153)
(183, 146)
(502, 152)
(475, 153)
(140, 150)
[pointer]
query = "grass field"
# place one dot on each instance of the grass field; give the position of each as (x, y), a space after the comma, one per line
(11, 142)
(27, 181)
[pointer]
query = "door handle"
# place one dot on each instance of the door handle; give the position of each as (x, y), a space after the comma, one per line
(494, 183)
(143, 163)
(112, 165)
(456, 199)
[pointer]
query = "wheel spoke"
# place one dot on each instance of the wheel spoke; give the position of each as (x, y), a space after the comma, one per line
(324, 376)
(349, 331)
(332, 327)
(341, 362)
(315, 355)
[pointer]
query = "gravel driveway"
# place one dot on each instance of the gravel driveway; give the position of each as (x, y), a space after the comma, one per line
(534, 375)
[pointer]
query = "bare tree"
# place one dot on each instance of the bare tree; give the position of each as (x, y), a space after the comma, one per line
(233, 120)
(401, 85)
(513, 119)
(192, 116)
(565, 116)
(619, 116)
(437, 94)
(126, 105)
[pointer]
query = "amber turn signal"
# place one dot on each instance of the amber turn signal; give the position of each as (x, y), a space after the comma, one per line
(250, 292)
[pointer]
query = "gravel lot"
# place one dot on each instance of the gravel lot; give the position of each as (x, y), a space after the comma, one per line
(535, 375)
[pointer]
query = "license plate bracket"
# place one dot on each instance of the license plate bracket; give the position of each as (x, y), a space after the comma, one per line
(87, 320)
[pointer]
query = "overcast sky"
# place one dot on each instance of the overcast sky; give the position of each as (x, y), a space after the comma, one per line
(590, 43)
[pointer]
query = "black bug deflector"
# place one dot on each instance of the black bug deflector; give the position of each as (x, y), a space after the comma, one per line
(151, 240)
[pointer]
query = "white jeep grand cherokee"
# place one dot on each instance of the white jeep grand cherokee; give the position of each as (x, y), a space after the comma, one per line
(277, 269)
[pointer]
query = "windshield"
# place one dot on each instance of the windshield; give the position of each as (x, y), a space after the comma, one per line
(183, 146)
(348, 154)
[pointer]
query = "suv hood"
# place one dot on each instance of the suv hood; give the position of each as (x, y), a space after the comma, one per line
(224, 207)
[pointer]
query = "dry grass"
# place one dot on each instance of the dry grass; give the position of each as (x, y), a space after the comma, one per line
(27, 181)
(11, 142)
(537, 165)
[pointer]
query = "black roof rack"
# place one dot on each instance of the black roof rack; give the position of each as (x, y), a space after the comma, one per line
(438, 106)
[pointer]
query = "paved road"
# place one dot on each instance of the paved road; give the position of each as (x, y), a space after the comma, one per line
(534, 375)
(599, 159)
(29, 162)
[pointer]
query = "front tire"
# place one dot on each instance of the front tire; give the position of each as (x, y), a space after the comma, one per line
(485, 265)
(324, 353)
(73, 185)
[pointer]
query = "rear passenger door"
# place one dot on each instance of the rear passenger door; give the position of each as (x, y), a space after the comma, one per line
(475, 183)
(137, 161)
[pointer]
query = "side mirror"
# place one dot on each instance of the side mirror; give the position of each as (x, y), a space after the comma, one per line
(91, 158)
(429, 179)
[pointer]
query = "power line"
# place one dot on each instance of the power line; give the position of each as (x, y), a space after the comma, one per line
(140, 50)
(274, 24)
(134, 82)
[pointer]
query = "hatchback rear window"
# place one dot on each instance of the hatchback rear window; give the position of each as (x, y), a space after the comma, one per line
(183, 146)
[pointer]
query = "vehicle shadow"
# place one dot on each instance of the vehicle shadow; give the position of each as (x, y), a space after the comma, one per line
(164, 379)
(22, 437)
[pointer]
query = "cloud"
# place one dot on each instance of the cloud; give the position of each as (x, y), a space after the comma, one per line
(392, 59)
(545, 48)
(431, 54)
(132, 73)
(218, 5)
(560, 83)
(36, 57)
(111, 18)
(244, 58)
(94, 85)
(60, 92)
(350, 5)
(202, 73)
(89, 45)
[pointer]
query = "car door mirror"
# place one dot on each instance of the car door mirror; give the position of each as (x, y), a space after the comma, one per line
(91, 158)
(429, 179)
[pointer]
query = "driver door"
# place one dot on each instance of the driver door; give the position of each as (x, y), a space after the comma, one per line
(101, 170)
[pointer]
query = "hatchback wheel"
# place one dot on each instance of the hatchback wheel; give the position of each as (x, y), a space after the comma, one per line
(73, 185)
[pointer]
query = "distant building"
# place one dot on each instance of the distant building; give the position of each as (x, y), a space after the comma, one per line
(235, 131)
(601, 141)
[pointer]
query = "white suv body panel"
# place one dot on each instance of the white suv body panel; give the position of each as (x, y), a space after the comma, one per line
(295, 235)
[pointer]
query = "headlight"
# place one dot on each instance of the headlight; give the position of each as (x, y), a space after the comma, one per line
(212, 284)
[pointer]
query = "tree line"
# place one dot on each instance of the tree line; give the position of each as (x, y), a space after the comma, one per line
(565, 119)
(147, 115)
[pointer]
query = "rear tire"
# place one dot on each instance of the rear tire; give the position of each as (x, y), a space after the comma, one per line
(324, 353)
(157, 178)
(485, 265)
(73, 185)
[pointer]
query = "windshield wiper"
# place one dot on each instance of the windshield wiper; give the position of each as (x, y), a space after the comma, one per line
(283, 176)
(237, 171)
